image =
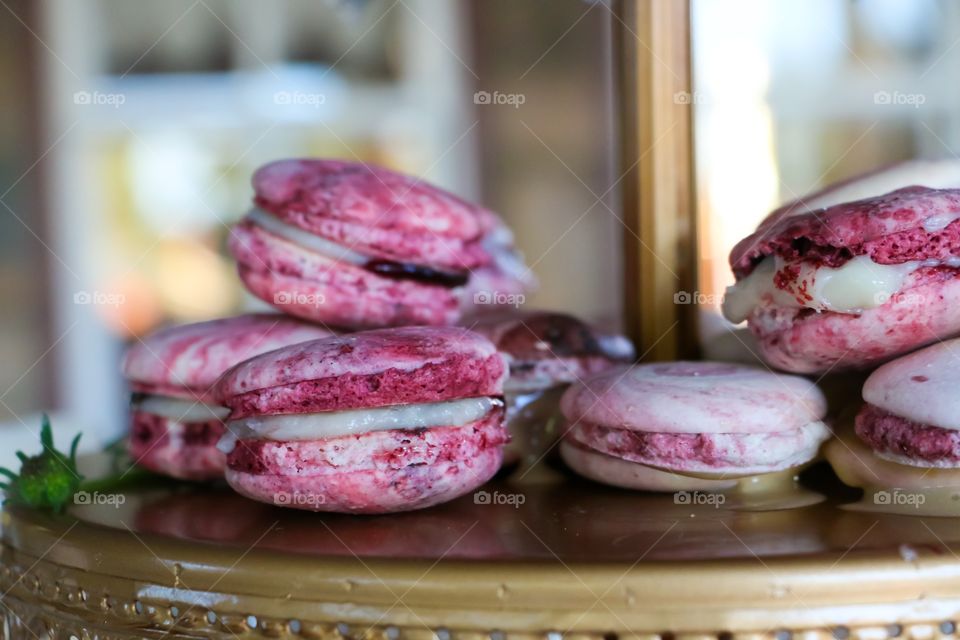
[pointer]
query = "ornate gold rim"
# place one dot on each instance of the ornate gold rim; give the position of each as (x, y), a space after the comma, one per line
(87, 574)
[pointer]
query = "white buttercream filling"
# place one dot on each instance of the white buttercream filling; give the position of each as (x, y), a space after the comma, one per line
(857, 285)
(332, 424)
(181, 410)
(305, 239)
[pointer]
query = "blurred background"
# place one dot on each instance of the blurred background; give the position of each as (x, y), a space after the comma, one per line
(129, 130)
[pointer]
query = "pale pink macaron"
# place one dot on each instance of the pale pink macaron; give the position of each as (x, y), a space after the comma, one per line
(911, 413)
(852, 285)
(361, 246)
(666, 426)
(175, 422)
(372, 422)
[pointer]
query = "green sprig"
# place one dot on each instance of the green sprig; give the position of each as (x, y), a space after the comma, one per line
(48, 480)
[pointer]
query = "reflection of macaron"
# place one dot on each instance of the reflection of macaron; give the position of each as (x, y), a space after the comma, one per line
(912, 410)
(545, 351)
(356, 245)
(175, 422)
(666, 426)
(851, 285)
(378, 421)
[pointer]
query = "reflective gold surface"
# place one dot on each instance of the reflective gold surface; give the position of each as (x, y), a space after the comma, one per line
(546, 554)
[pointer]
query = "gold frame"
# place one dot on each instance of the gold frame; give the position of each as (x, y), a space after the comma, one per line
(657, 162)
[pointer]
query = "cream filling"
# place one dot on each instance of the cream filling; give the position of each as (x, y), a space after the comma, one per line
(320, 426)
(857, 285)
(181, 410)
(305, 239)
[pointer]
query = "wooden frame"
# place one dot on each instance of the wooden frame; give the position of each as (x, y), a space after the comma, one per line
(656, 103)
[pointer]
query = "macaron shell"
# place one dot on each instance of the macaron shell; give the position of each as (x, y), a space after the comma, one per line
(921, 387)
(862, 224)
(836, 341)
(694, 397)
(630, 475)
(367, 369)
(194, 356)
(184, 450)
(378, 472)
(375, 211)
(314, 287)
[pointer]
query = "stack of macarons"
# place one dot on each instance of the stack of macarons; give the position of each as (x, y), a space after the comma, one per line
(363, 397)
(830, 285)
(546, 352)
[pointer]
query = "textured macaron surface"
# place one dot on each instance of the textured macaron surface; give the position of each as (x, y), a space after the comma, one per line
(377, 472)
(364, 370)
(921, 387)
(186, 450)
(893, 436)
(375, 211)
(188, 359)
(706, 452)
(913, 223)
(694, 397)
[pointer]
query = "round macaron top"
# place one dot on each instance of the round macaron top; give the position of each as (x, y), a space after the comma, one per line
(545, 335)
(375, 211)
(892, 228)
(694, 397)
(188, 359)
(367, 369)
(921, 387)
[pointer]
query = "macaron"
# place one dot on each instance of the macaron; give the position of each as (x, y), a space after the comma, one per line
(690, 425)
(360, 246)
(372, 422)
(546, 351)
(175, 421)
(911, 414)
(852, 285)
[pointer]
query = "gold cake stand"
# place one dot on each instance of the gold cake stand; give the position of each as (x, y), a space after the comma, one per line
(550, 558)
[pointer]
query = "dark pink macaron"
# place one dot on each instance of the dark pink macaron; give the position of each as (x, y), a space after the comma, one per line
(852, 285)
(372, 422)
(175, 422)
(361, 246)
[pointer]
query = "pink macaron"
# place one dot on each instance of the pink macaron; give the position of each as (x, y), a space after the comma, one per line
(360, 246)
(175, 422)
(852, 285)
(682, 425)
(911, 414)
(372, 422)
